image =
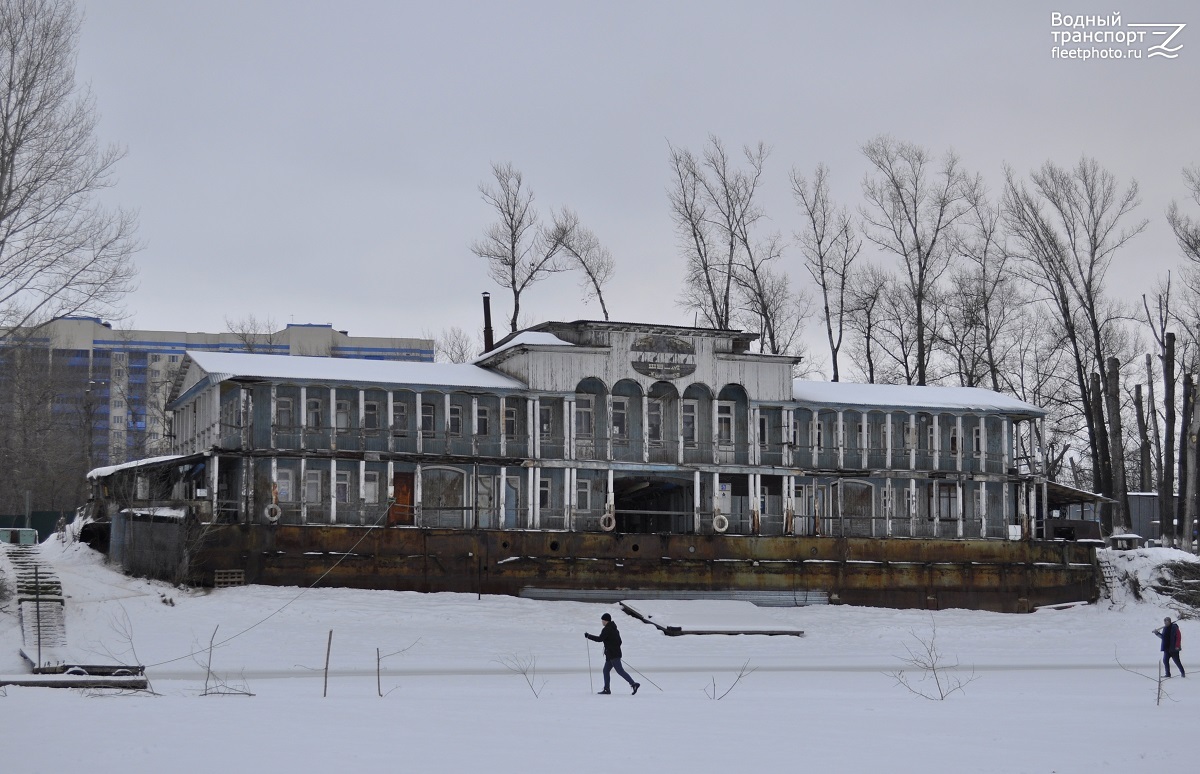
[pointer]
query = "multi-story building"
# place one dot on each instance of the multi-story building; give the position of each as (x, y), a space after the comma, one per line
(119, 379)
(609, 438)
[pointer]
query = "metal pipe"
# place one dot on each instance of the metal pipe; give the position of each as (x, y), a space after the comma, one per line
(488, 341)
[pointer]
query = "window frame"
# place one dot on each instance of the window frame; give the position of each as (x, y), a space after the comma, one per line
(284, 408)
(726, 429)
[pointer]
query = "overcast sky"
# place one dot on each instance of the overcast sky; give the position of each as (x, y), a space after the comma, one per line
(320, 161)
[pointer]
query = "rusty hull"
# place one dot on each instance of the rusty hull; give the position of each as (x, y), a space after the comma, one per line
(1003, 576)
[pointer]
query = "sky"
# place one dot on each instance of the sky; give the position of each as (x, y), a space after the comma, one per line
(319, 162)
(1072, 691)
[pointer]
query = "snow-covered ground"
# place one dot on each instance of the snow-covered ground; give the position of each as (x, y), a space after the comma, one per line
(1047, 692)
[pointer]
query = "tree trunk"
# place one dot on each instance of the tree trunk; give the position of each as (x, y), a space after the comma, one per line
(1102, 471)
(1117, 446)
(1185, 476)
(1166, 480)
(1187, 524)
(1144, 466)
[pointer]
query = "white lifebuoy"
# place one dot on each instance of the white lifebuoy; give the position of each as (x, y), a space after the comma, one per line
(720, 523)
(608, 522)
(272, 512)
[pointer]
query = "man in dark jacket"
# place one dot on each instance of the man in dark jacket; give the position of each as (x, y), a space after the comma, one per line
(612, 652)
(1169, 632)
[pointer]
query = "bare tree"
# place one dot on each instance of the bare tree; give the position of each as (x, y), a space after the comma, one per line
(1067, 225)
(980, 316)
(913, 208)
(60, 251)
(519, 248)
(254, 334)
(829, 245)
(1187, 229)
(454, 345)
(1163, 456)
(864, 294)
(590, 258)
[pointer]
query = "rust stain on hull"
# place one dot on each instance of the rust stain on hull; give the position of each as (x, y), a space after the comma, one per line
(1004, 576)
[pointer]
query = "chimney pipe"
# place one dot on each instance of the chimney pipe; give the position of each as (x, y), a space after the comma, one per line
(488, 341)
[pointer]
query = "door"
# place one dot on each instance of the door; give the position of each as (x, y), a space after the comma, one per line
(401, 512)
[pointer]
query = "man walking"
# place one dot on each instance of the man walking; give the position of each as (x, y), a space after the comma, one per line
(612, 652)
(1171, 642)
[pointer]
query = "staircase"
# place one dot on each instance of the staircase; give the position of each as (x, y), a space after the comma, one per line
(41, 612)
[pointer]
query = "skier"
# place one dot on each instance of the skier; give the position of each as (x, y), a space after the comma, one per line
(1169, 633)
(612, 652)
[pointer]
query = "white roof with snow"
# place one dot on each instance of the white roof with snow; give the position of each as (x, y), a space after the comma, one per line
(525, 338)
(108, 470)
(221, 366)
(903, 396)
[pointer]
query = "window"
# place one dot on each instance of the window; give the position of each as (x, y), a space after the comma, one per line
(583, 495)
(371, 486)
(400, 419)
(545, 420)
(689, 423)
(954, 440)
(117, 419)
(654, 417)
(342, 486)
(371, 415)
(155, 374)
(932, 438)
(858, 435)
(947, 504)
(312, 411)
(907, 436)
(482, 423)
(118, 403)
(173, 358)
(427, 418)
(510, 421)
(725, 424)
(544, 492)
(620, 419)
(341, 415)
(312, 486)
(977, 437)
(584, 408)
(456, 421)
(118, 357)
(283, 486)
(283, 412)
(818, 434)
(763, 430)
(118, 373)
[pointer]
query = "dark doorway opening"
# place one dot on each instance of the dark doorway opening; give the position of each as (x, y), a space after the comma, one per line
(653, 505)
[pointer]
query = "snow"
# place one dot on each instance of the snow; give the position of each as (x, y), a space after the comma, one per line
(221, 366)
(108, 470)
(523, 339)
(1050, 693)
(158, 510)
(903, 396)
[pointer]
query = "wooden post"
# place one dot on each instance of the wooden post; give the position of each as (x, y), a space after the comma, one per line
(328, 647)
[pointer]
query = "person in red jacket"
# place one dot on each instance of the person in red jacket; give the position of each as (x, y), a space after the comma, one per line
(1169, 633)
(612, 652)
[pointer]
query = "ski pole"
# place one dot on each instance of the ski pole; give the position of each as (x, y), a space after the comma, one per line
(591, 686)
(647, 679)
